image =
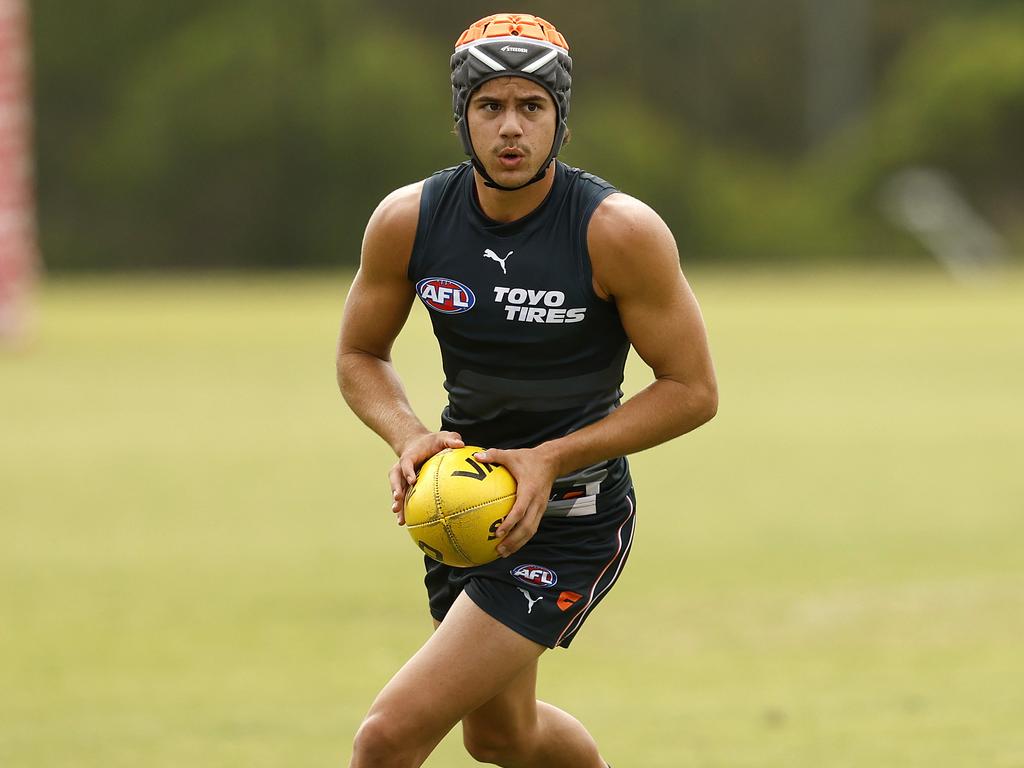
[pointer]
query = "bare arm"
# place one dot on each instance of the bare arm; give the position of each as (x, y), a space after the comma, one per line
(635, 263)
(376, 310)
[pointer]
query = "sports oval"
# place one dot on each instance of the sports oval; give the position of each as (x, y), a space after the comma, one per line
(444, 295)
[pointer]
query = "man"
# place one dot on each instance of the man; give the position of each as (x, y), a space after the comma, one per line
(551, 275)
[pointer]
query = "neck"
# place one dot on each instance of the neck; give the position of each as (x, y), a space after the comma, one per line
(503, 206)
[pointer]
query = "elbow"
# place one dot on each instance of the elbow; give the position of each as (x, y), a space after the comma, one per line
(354, 371)
(344, 371)
(339, 371)
(711, 403)
(705, 404)
(694, 403)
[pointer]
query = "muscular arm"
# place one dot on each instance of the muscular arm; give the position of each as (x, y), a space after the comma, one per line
(376, 309)
(636, 264)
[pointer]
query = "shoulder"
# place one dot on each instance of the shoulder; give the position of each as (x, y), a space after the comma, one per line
(628, 242)
(586, 189)
(399, 211)
(621, 221)
(391, 231)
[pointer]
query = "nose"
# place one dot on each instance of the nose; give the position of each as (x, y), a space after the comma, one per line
(511, 128)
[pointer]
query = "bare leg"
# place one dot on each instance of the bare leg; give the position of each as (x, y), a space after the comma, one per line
(515, 730)
(466, 663)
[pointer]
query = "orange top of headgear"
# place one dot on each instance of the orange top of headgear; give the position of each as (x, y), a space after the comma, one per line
(513, 25)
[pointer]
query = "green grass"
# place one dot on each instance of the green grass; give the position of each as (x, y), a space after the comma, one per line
(198, 566)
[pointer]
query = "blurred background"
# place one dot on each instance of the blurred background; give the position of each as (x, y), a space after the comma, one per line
(197, 562)
(217, 133)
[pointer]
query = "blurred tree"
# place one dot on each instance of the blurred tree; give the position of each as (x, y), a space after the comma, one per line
(81, 52)
(226, 133)
(836, 35)
(956, 99)
(953, 100)
(237, 133)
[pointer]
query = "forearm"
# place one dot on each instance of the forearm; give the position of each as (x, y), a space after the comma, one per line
(374, 392)
(661, 412)
(665, 409)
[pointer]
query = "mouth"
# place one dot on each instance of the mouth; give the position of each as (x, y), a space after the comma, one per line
(511, 158)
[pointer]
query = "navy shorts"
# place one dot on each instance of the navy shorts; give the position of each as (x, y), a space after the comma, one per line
(547, 589)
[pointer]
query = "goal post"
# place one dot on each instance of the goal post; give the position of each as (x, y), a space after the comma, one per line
(18, 252)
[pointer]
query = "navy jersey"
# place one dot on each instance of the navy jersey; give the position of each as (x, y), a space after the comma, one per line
(530, 352)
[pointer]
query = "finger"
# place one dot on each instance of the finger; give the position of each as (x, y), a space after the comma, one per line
(517, 513)
(490, 455)
(398, 507)
(408, 469)
(522, 533)
(397, 481)
(453, 440)
(398, 500)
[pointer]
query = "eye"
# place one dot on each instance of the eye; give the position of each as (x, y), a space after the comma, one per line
(490, 106)
(532, 107)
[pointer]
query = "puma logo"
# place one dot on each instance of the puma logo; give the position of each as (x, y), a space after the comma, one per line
(489, 254)
(529, 599)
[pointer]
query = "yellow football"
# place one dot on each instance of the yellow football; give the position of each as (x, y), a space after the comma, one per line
(456, 505)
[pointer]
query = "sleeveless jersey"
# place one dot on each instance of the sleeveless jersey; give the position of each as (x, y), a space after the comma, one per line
(530, 352)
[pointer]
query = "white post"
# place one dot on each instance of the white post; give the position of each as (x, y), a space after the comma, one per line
(18, 259)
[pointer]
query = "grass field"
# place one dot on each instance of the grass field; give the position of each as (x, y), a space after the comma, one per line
(198, 566)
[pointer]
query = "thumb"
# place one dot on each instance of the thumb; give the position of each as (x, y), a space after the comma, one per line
(490, 455)
(453, 440)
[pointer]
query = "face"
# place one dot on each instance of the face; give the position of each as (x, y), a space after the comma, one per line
(512, 124)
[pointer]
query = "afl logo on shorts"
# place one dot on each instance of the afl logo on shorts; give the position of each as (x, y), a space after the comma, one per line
(535, 575)
(449, 297)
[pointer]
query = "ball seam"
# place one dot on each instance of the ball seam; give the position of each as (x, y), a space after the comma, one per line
(475, 507)
(440, 514)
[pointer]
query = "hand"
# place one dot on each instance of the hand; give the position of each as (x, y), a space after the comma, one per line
(416, 451)
(535, 471)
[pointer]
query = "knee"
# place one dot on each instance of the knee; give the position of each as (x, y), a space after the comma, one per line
(495, 745)
(379, 742)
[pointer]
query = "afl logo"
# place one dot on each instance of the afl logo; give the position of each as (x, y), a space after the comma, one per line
(450, 297)
(535, 575)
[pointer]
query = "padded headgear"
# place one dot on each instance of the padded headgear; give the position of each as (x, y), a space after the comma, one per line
(517, 45)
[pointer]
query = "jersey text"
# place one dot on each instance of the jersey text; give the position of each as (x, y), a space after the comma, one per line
(526, 305)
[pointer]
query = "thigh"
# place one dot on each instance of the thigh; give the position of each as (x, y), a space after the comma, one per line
(469, 660)
(513, 710)
(548, 589)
